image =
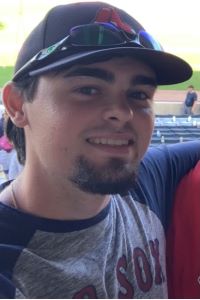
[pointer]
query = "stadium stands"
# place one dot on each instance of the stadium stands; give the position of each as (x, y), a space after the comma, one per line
(175, 129)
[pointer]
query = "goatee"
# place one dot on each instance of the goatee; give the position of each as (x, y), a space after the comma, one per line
(115, 177)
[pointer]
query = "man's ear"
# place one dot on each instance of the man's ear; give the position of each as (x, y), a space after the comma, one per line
(13, 100)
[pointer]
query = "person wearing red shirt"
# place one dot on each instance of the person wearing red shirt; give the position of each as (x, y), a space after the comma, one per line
(183, 243)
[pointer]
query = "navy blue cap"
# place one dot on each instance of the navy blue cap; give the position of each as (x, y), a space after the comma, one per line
(169, 69)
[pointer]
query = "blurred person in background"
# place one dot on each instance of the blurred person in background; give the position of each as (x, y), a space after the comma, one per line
(6, 150)
(1, 125)
(190, 99)
(15, 167)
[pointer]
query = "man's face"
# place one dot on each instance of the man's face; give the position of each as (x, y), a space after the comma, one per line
(190, 89)
(90, 125)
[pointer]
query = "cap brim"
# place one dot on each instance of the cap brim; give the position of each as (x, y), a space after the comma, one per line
(169, 69)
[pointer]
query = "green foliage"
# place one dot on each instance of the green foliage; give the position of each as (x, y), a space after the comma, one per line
(5, 74)
(2, 25)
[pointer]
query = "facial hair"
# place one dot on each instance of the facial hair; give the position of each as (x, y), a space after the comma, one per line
(115, 177)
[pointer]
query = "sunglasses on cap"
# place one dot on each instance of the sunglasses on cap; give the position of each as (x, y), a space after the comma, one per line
(90, 36)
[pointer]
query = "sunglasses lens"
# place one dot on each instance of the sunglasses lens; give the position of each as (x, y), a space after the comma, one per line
(147, 41)
(96, 35)
(105, 34)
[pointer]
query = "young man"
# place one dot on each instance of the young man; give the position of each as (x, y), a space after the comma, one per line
(86, 217)
(190, 99)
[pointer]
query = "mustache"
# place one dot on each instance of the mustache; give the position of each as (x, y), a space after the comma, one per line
(112, 129)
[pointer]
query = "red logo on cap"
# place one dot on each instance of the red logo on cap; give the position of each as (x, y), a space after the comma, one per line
(110, 15)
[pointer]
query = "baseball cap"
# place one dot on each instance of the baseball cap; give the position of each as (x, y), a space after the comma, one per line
(88, 31)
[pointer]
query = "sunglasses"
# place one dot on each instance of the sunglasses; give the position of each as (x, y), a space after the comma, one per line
(96, 35)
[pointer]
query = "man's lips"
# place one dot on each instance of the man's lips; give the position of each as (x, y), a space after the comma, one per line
(117, 147)
(119, 142)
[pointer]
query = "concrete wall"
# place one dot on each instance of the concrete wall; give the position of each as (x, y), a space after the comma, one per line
(172, 108)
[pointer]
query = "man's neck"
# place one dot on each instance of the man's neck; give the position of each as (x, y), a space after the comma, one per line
(49, 200)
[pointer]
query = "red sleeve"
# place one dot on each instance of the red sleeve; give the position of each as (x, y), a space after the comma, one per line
(183, 239)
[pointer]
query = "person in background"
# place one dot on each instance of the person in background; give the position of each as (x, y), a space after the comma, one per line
(189, 103)
(2, 111)
(1, 125)
(15, 167)
(86, 217)
(183, 239)
(6, 151)
(2, 121)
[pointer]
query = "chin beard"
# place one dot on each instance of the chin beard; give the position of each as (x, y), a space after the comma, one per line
(115, 177)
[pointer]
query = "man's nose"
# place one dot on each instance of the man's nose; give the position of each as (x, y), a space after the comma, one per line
(118, 111)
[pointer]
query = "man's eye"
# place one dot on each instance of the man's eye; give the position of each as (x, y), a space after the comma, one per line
(138, 95)
(87, 90)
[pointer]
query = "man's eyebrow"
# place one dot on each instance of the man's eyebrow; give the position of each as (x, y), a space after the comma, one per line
(109, 76)
(92, 72)
(144, 80)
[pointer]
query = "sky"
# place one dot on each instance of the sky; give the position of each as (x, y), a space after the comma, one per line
(175, 23)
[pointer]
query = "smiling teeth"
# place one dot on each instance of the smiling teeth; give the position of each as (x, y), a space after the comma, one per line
(111, 142)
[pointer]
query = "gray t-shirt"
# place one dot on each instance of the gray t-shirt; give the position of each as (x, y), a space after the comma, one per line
(119, 256)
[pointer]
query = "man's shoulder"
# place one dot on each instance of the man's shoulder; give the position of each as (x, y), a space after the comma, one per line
(172, 150)
(167, 161)
(195, 95)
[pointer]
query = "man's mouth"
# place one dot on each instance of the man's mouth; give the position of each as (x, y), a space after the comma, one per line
(110, 142)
